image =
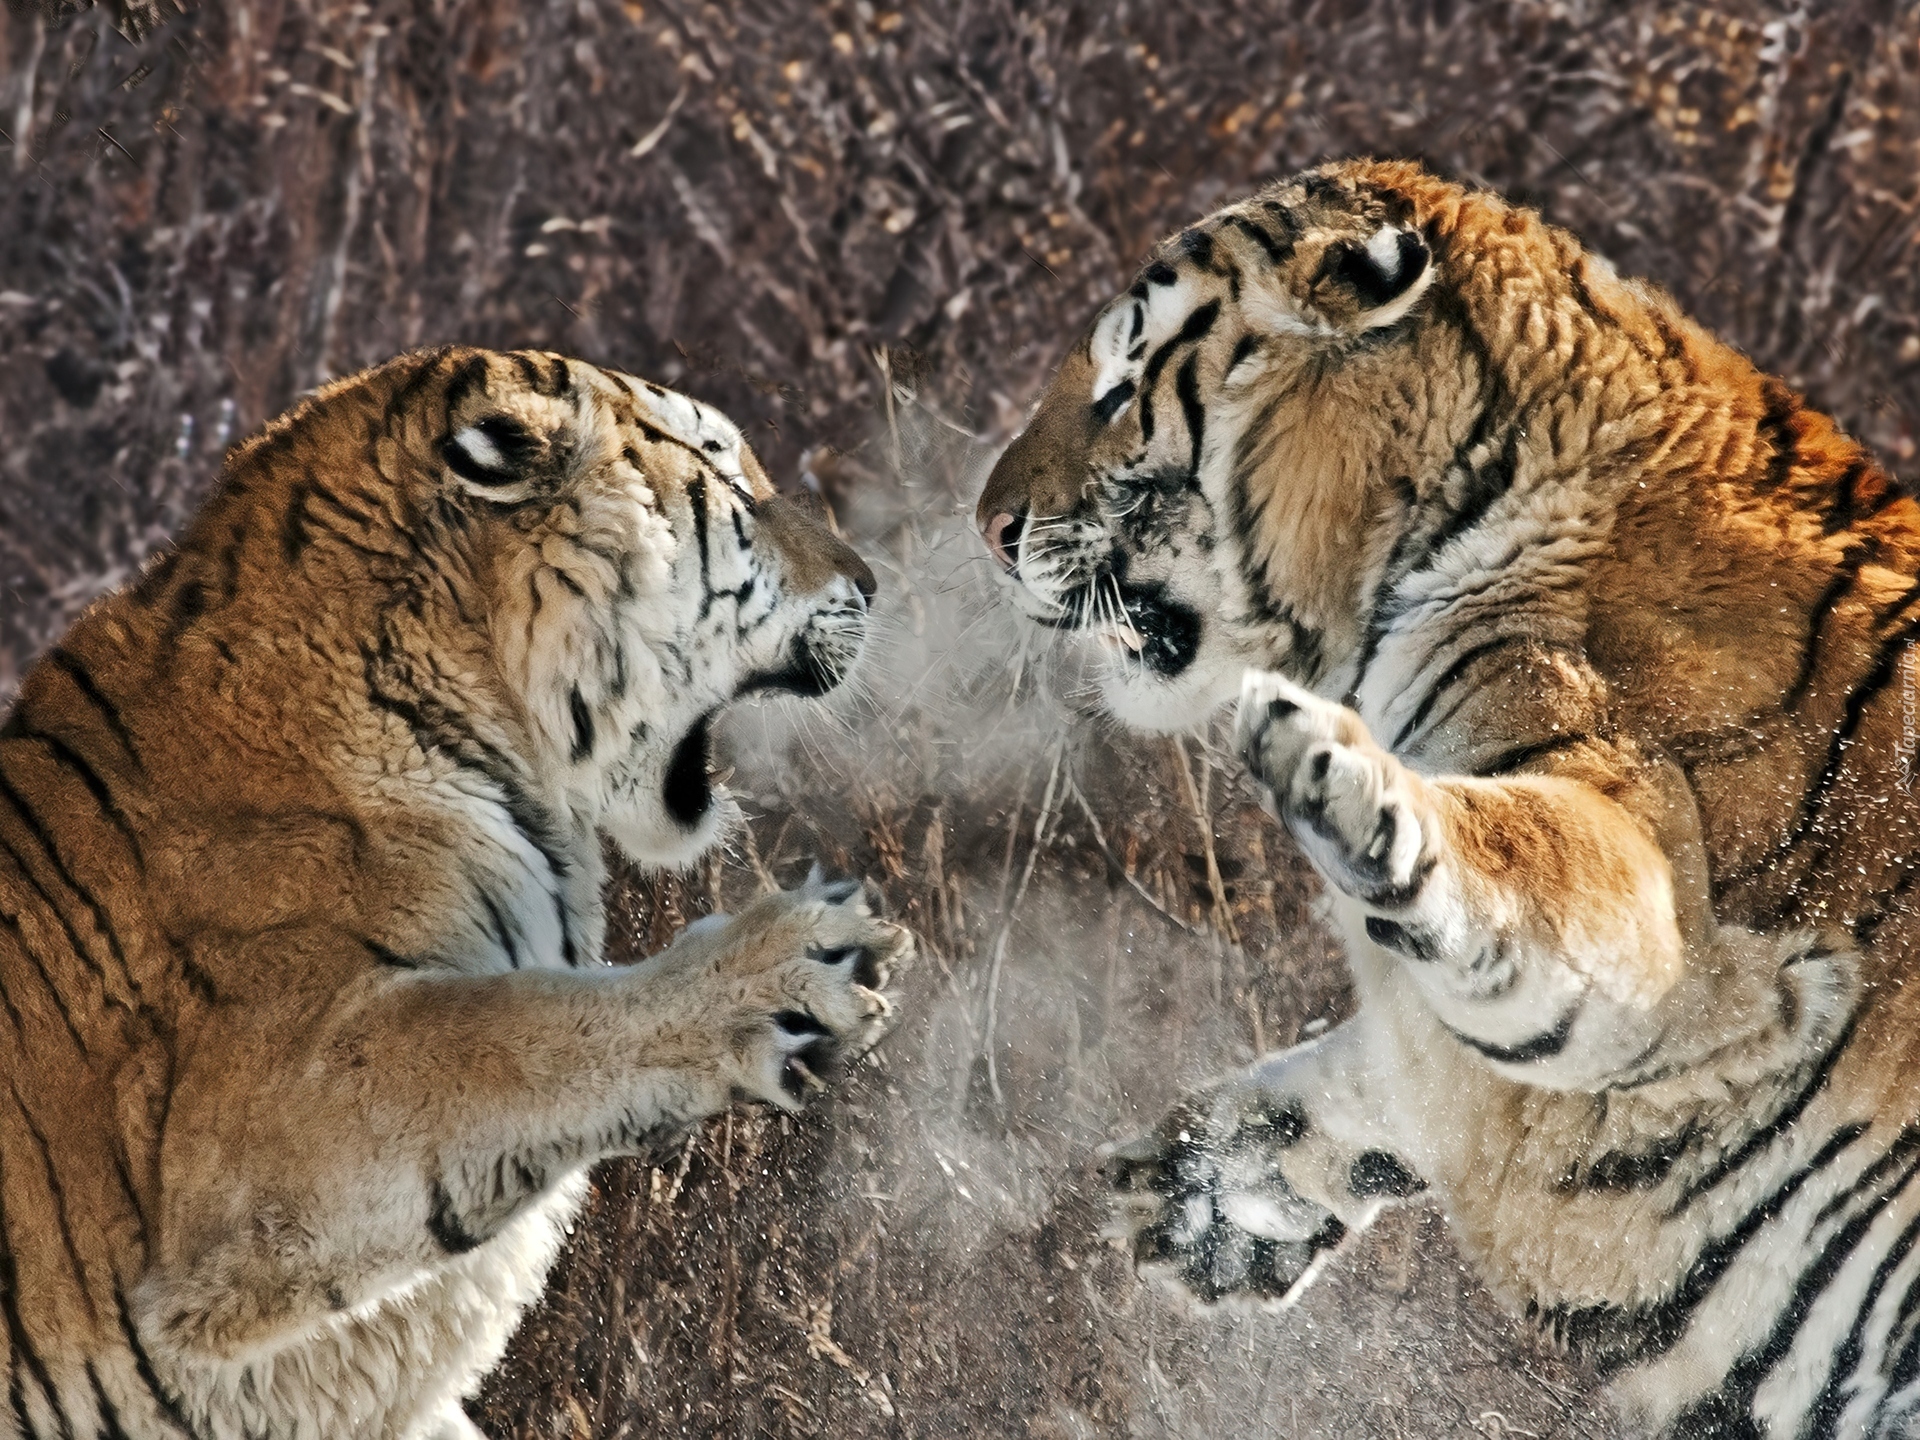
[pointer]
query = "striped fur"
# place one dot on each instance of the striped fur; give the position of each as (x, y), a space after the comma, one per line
(1577, 655)
(305, 1032)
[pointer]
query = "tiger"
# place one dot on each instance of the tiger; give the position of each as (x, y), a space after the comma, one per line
(308, 1039)
(1576, 655)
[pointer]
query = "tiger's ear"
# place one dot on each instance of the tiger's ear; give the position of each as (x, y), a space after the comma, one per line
(1385, 275)
(494, 450)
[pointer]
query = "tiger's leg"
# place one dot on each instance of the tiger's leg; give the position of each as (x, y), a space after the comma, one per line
(1544, 931)
(1561, 935)
(1246, 1184)
(418, 1119)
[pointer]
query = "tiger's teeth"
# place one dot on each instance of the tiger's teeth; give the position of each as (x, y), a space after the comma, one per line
(1116, 638)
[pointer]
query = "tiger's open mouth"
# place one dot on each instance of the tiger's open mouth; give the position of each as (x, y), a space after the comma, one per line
(815, 665)
(1139, 620)
(688, 788)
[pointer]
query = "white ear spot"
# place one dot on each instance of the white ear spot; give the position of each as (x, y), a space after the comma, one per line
(479, 449)
(1384, 250)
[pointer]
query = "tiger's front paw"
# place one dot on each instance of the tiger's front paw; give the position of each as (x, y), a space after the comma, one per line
(1349, 803)
(804, 974)
(1201, 1201)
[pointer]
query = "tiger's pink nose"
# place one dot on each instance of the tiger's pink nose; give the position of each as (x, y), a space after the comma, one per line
(1003, 537)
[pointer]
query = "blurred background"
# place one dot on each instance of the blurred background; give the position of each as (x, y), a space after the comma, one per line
(868, 231)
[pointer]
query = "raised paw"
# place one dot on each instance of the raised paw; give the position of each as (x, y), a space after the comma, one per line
(1201, 1202)
(806, 973)
(1351, 805)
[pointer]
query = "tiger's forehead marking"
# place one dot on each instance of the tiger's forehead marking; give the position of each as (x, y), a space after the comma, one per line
(700, 428)
(1132, 326)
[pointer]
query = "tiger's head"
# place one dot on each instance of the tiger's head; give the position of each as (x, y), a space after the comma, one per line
(1209, 479)
(548, 576)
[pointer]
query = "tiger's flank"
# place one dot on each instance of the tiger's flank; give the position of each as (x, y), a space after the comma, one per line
(307, 1036)
(1575, 654)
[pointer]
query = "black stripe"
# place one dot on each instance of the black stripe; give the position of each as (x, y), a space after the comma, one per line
(501, 931)
(449, 1231)
(1278, 251)
(1882, 904)
(79, 948)
(1485, 485)
(1629, 1170)
(1886, 663)
(393, 959)
(1844, 578)
(189, 603)
(1108, 405)
(582, 725)
(1508, 761)
(1583, 297)
(1788, 1116)
(230, 562)
(12, 925)
(1195, 329)
(1670, 338)
(1904, 1145)
(1450, 677)
(1825, 1414)
(1412, 942)
(109, 1416)
(1186, 386)
(69, 665)
(1776, 429)
(1844, 505)
(143, 1367)
(1378, 1172)
(6, 995)
(21, 1343)
(1907, 1364)
(554, 381)
(697, 499)
(1613, 1336)
(64, 754)
(1543, 1046)
(1729, 1410)
(472, 374)
(45, 839)
(57, 1194)
(294, 536)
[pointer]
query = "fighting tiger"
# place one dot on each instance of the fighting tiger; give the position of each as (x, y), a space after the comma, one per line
(308, 1039)
(1577, 655)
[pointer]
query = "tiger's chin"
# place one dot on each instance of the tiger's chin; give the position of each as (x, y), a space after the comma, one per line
(1143, 698)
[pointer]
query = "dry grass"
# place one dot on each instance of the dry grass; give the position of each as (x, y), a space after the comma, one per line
(868, 231)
